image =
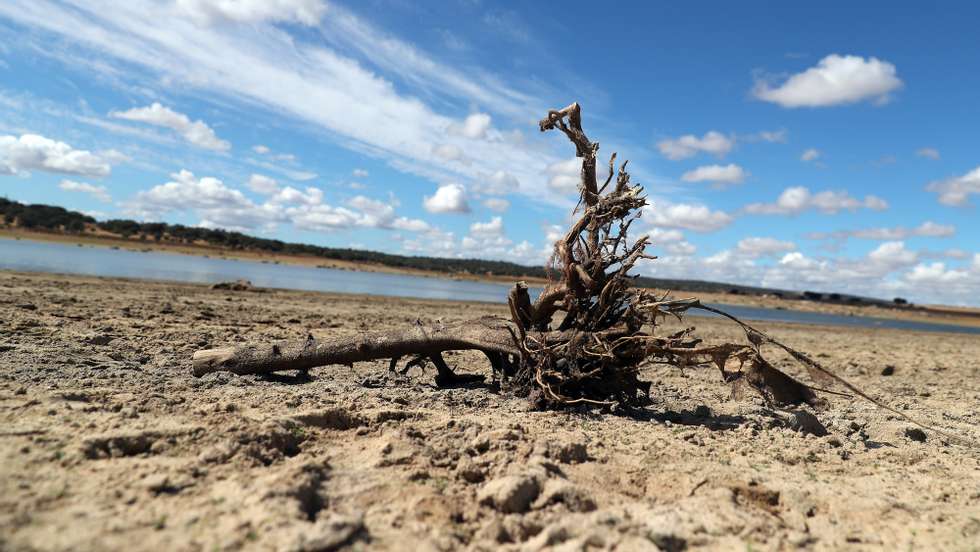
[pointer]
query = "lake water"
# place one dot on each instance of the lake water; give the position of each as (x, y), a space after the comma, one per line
(36, 256)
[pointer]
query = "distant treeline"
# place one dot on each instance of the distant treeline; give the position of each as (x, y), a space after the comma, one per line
(56, 219)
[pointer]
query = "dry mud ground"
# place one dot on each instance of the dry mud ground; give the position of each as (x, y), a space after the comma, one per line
(108, 442)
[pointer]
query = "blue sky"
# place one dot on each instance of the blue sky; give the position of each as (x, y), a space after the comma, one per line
(826, 147)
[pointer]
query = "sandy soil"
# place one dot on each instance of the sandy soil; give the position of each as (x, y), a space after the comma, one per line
(108, 443)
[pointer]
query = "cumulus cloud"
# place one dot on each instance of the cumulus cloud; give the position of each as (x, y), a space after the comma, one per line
(760, 247)
(185, 191)
(935, 273)
(564, 176)
(892, 254)
(475, 125)
(219, 205)
(496, 204)
(195, 132)
(260, 149)
(671, 241)
(835, 80)
(449, 198)
(100, 193)
(494, 227)
(713, 142)
(717, 174)
(31, 152)
(811, 154)
(498, 183)
(263, 184)
(292, 196)
(956, 191)
(360, 173)
(306, 12)
(928, 153)
(698, 218)
(798, 199)
(887, 270)
(488, 238)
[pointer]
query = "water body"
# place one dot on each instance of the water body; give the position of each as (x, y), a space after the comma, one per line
(33, 256)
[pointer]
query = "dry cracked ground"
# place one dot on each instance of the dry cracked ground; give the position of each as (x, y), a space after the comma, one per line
(108, 442)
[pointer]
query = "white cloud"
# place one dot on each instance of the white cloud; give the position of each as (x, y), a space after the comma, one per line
(114, 157)
(98, 192)
(935, 273)
(494, 227)
(498, 183)
(713, 142)
(360, 173)
(449, 152)
(956, 191)
(718, 174)
(260, 149)
(300, 175)
(186, 191)
(760, 247)
(496, 204)
(339, 78)
(835, 80)
(476, 125)
(892, 254)
(798, 199)
(775, 136)
(218, 205)
(565, 176)
(670, 240)
(698, 218)
(811, 154)
(263, 184)
(291, 196)
(928, 153)
(195, 132)
(488, 238)
(31, 152)
(927, 229)
(379, 214)
(449, 198)
(307, 12)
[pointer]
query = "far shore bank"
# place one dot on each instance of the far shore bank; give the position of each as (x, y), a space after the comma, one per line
(963, 316)
(201, 250)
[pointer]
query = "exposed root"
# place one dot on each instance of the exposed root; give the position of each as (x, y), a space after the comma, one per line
(585, 337)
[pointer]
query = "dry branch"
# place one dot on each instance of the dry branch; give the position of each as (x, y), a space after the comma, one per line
(586, 336)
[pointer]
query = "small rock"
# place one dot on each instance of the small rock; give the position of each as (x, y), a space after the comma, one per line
(888, 370)
(494, 532)
(329, 534)
(557, 491)
(470, 471)
(237, 285)
(668, 542)
(27, 306)
(160, 484)
(571, 453)
(101, 339)
(915, 434)
(510, 493)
